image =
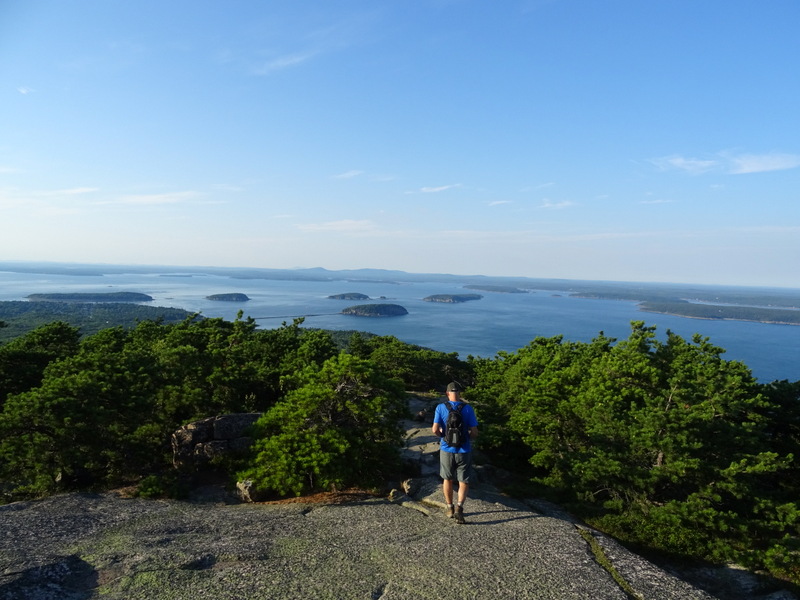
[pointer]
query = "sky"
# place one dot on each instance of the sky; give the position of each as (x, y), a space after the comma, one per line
(619, 140)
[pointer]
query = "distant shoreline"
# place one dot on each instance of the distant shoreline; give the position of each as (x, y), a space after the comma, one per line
(699, 318)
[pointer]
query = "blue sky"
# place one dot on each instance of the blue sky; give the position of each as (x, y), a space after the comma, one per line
(615, 140)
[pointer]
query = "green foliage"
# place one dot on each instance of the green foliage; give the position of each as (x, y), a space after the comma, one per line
(417, 367)
(166, 485)
(722, 311)
(90, 318)
(23, 360)
(664, 444)
(339, 427)
(660, 442)
(100, 412)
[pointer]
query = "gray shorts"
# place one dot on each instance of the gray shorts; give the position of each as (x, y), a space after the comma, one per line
(455, 466)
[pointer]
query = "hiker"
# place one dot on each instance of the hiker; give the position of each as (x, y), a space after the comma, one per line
(455, 450)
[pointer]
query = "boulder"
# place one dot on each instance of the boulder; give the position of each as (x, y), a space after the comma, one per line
(197, 444)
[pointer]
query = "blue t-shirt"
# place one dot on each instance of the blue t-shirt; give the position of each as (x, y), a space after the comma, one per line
(470, 421)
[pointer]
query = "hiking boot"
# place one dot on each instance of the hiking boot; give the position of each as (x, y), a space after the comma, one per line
(460, 515)
(450, 511)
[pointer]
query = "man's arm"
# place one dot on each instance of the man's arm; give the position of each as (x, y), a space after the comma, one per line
(472, 423)
(438, 424)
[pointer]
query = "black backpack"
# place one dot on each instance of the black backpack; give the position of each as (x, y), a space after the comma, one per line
(454, 432)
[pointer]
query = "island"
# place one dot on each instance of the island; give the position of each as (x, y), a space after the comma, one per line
(349, 296)
(228, 297)
(375, 310)
(724, 312)
(452, 298)
(502, 289)
(91, 297)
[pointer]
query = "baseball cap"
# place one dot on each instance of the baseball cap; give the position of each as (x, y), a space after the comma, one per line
(454, 386)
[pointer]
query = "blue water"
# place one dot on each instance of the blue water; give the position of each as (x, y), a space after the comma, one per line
(480, 328)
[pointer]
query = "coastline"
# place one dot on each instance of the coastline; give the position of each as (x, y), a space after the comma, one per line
(674, 314)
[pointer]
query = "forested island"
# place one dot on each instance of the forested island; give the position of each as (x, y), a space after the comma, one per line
(501, 289)
(349, 296)
(89, 317)
(228, 297)
(91, 297)
(452, 298)
(375, 310)
(694, 310)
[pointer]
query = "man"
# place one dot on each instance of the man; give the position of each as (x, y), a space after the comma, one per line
(455, 463)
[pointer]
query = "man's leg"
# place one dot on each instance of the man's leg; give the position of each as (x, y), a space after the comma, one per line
(463, 490)
(464, 462)
(447, 490)
(447, 471)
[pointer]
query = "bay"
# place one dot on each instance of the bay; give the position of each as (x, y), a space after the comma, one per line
(497, 322)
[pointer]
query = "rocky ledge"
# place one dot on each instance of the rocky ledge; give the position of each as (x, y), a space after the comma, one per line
(395, 546)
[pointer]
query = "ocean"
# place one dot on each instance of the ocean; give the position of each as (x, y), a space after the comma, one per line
(497, 322)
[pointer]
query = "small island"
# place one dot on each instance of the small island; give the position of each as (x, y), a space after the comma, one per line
(91, 297)
(228, 297)
(502, 289)
(452, 298)
(375, 310)
(349, 296)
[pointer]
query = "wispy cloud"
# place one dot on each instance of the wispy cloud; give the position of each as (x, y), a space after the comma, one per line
(24, 90)
(726, 162)
(437, 189)
(540, 186)
(348, 174)
(658, 201)
(694, 166)
(283, 62)
(153, 199)
(343, 226)
(760, 163)
(550, 204)
(70, 191)
(499, 202)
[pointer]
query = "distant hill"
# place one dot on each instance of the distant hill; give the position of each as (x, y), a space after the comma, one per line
(91, 297)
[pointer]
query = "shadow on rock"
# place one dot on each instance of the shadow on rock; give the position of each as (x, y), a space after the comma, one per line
(66, 578)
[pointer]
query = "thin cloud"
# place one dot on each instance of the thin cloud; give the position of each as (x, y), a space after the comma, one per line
(153, 199)
(499, 202)
(70, 191)
(535, 188)
(549, 204)
(25, 90)
(283, 62)
(343, 226)
(441, 188)
(693, 166)
(348, 174)
(729, 163)
(761, 163)
(659, 201)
